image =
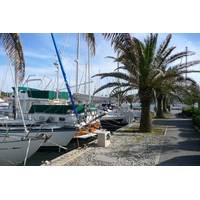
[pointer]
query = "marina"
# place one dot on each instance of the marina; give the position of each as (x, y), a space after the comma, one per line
(44, 155)
(61, 121)
(120, 131)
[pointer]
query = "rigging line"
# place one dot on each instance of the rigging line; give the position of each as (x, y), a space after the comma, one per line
(4, 78)
(83, 73)
(69, 60)
(65, 43)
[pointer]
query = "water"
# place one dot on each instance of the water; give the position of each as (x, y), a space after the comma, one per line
(48, 154)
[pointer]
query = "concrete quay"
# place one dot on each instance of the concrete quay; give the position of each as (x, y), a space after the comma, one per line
(125, 149)
(178, 146)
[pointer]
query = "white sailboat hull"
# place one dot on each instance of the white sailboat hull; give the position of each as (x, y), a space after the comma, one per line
(58, 137)
(14, 152)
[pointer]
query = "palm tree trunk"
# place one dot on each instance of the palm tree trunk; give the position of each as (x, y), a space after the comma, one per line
(159, 112)
(198, 104)
(145, 120)
(165, 104)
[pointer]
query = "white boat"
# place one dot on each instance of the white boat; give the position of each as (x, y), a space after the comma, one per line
(60, 134)
(15, 150)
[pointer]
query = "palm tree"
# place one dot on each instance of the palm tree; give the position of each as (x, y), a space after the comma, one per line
(130, 99)
(142, 70)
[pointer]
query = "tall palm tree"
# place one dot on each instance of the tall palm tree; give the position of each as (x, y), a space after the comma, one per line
(141, 69)
(14, 52)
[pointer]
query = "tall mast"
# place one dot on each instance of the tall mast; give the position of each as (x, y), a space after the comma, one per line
(186, 63)
(85, 79)
(77, 60)
(64, 76)
(57, 67)
(89, 73)
(15, 106)
(118, 80)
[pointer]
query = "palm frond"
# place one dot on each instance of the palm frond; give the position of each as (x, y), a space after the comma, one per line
(150, 47)
(14, 52)
(117, 38)
(114, 75)
(179, 55)
(90, 39)
(108, 85)
(163, 46)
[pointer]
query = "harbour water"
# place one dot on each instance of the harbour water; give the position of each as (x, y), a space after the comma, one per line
(48, 154)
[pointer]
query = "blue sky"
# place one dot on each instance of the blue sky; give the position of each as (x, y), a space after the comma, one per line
(40, 55)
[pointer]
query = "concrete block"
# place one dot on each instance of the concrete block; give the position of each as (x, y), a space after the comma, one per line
(103, 138)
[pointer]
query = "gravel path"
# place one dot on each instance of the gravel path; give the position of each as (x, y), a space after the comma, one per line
(125, 149)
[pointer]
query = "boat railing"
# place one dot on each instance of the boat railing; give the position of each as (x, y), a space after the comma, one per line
(41, 80)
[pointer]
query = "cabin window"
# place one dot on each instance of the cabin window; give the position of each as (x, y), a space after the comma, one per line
(61, 119)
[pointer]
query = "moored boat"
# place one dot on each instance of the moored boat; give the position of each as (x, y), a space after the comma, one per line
(15, 150)
(60, 134)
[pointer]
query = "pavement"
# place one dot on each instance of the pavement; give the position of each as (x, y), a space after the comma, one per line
(181, 145)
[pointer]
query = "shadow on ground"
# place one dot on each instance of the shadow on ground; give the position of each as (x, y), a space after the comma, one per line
(193, 160)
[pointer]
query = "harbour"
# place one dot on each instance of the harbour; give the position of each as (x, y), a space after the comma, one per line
(38, 118)
(44, 155)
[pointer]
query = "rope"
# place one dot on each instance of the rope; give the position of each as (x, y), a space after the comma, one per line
(27, 150)
(57, 145)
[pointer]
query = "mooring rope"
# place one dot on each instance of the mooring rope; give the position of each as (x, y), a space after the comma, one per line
(27, 150)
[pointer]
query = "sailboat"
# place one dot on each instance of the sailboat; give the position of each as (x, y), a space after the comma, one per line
(57, 118)
(15, 150)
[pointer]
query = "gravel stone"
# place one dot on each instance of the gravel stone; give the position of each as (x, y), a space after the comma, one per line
(125, 149)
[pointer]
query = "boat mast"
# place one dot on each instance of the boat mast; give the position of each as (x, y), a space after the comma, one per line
(118, 101)
(15, 106)
(57, 67)
(77, 60)
(89, 74)
(85, 79)
(186, 63)
(64, 76)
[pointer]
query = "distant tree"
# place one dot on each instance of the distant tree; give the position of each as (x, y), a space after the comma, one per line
(130, 99)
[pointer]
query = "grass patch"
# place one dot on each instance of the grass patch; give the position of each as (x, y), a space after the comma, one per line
(165, 117)
(155, 131)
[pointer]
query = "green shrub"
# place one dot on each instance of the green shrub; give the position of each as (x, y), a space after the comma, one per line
(194, 113)
(188, 112)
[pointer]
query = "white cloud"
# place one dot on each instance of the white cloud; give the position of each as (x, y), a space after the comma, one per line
(36, 55)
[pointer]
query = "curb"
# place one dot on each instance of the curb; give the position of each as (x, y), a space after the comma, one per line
(161, 146)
